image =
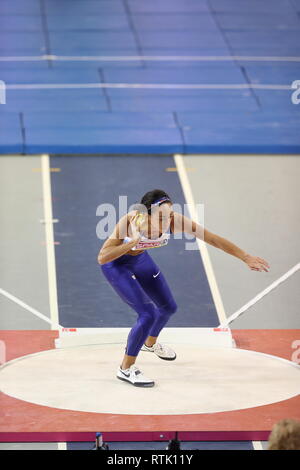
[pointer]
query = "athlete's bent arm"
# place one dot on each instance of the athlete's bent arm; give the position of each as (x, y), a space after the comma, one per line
(184, 224)
(114, 247)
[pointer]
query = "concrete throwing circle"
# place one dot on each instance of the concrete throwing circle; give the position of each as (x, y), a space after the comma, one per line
(198, 381)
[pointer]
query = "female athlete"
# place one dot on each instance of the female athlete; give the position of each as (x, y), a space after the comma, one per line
(128, 267)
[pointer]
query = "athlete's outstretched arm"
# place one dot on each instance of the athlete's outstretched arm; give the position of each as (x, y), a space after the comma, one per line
(184, 224)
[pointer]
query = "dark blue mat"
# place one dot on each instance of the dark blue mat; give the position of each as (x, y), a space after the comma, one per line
(85, 299)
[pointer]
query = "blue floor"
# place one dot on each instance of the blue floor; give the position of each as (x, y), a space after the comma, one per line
(123, 99)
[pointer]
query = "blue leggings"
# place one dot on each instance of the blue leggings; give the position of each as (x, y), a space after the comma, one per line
(132, 277)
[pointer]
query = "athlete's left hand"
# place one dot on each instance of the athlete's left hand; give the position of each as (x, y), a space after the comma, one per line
(256, 264)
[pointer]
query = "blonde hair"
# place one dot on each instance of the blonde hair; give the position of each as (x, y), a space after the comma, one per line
(285, 435)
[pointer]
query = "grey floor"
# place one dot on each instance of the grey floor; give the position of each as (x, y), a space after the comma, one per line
(253, 201)
(22, 253)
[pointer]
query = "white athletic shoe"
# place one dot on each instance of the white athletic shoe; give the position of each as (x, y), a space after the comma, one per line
(161, 350)
(134, 376)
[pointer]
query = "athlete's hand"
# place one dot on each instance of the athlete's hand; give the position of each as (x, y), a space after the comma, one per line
(256, 264)
(134, 228)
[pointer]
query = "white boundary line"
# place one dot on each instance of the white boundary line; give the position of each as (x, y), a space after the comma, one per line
(50, 250)
(257, 445)
(61, 446)
(150, 86)
(202, 246)
(26, 306)
(260, 296)
(151, 58)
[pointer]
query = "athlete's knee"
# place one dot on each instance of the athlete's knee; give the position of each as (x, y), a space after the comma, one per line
(146, 313)
(170, 308)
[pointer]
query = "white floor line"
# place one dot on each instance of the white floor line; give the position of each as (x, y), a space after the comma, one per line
(148, 86)
(202, 246)
(61, 446)
(259, 296)
(151, 58)
(50, 249)
(27, 307)
(257, 445)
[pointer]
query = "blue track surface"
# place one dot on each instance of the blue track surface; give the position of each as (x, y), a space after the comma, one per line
(128, 104)
(85, 299)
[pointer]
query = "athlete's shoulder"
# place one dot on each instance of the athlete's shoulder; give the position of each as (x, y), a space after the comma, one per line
(121, 228)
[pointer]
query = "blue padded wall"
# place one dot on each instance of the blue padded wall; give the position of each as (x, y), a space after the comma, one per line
(133, 76)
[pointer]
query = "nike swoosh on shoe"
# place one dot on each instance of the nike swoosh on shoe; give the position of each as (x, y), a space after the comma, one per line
(126, 375)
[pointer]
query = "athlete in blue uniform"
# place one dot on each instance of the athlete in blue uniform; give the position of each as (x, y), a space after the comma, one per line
(137, 279)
